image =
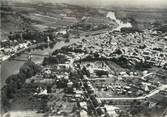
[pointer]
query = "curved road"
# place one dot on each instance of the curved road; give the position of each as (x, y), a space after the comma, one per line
(154, 92)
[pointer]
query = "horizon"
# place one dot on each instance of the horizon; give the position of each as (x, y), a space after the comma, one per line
(104, 3)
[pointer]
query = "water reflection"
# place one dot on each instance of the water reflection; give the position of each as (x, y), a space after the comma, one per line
(12, 66)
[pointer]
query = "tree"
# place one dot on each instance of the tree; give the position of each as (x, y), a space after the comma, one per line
(101, 72)
(29, 69)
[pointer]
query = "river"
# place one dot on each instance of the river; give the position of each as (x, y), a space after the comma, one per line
(120, 23)
(10, 67)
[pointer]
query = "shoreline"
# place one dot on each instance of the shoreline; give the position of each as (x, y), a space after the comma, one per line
(35, 46)
(58, 44)
(24, 49)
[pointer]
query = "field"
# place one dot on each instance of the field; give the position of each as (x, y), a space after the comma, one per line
(16, 17)
(19, 16)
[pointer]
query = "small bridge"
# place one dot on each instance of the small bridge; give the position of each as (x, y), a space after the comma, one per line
(29, 56)
(33, 54)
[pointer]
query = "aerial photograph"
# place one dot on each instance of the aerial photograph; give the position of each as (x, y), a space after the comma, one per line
(83, 58)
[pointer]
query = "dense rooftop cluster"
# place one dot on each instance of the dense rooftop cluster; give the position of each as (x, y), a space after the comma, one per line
(85, 77)
(105, 72)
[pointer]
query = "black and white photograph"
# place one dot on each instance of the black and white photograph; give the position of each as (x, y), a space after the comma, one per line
(83, 58)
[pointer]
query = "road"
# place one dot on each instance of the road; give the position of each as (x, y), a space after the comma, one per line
(156, 91)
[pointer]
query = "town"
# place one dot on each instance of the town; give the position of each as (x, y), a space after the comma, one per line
(105, 68)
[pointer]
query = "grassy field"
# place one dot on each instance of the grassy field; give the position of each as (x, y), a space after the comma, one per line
(15, 17)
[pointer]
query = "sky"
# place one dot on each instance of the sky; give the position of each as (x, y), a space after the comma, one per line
(103, 3)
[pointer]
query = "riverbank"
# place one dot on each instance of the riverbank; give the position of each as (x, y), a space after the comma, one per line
(6, 68)
(10, 67)
(7, 57)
